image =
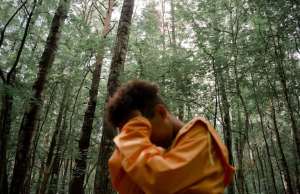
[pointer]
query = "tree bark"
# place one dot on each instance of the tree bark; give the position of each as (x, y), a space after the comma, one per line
(41, 170)
(5, 126)
(226, 123)
(163, 25)
(224, 110)
(30, 117)
(102, 183)
(263, 171)
(173, 33)
(7, 99)
(39, 132)
(251, 156)
(33, 150)
(52, 189)
(243, 136)
(63, 181)
(262, 127)
(79, 171)
(240, 182)
(220, 88)
(281, 174)
(50, 157)
(283, 159)
(178, 77)
(279, 57)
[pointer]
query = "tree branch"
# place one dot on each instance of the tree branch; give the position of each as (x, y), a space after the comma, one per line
(9, 20)
(219, 30)
(22, 42)
(110, 29)
(102, 5)
(26, 10)
(99, 12)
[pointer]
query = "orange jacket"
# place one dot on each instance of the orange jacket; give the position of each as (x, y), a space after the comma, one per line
(197, 161)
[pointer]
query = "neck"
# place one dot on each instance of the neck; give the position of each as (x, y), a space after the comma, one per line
(177, 125)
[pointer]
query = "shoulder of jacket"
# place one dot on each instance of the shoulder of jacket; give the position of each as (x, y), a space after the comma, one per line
(188, 126)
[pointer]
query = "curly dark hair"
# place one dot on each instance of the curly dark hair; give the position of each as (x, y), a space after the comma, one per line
(134, 95)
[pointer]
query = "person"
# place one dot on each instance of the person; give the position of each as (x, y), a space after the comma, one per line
(155, 153)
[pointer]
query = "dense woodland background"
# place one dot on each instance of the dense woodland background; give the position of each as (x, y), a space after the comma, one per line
(235, 62)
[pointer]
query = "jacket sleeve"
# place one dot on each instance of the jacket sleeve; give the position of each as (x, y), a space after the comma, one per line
(154, 169)
(121, 182)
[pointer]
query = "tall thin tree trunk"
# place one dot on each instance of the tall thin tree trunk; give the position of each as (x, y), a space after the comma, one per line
(63, 181)
(54, 140)
(262, 168)
(39, 132)
(102, 183)
(30, 117)
(79, 171)
(28, 178)
(61, 139)
(223, 102)
(279, 60)
(281, 174)
(41, 170)
(262, 127)
(251, 156)
(163, 24)
(225, 106)
(283, 159)
(173, 32)
(7, 99)
(36, 140)
(240, 182)
(178, 77)
(267, 170)
(240, 172)
(5, 125)
(289, 106)
(70, 130)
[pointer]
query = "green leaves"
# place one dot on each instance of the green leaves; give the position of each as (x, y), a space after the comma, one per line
(223, 47)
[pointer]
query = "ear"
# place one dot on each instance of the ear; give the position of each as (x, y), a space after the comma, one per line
(161, 110)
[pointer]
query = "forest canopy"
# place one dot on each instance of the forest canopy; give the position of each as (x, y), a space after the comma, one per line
(233, 62)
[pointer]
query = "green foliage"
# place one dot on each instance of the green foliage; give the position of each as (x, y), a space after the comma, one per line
(236, 48)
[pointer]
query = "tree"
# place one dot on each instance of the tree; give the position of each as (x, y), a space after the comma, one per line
(234, 62)
(7, 97)
(57, 158)
(77, 182)
(55, 142)
(102, 183)
(30, 116)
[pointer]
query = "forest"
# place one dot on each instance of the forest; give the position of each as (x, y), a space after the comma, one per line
(234, 62)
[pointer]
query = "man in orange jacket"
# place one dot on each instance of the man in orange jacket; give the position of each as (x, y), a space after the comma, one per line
(156, 153)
